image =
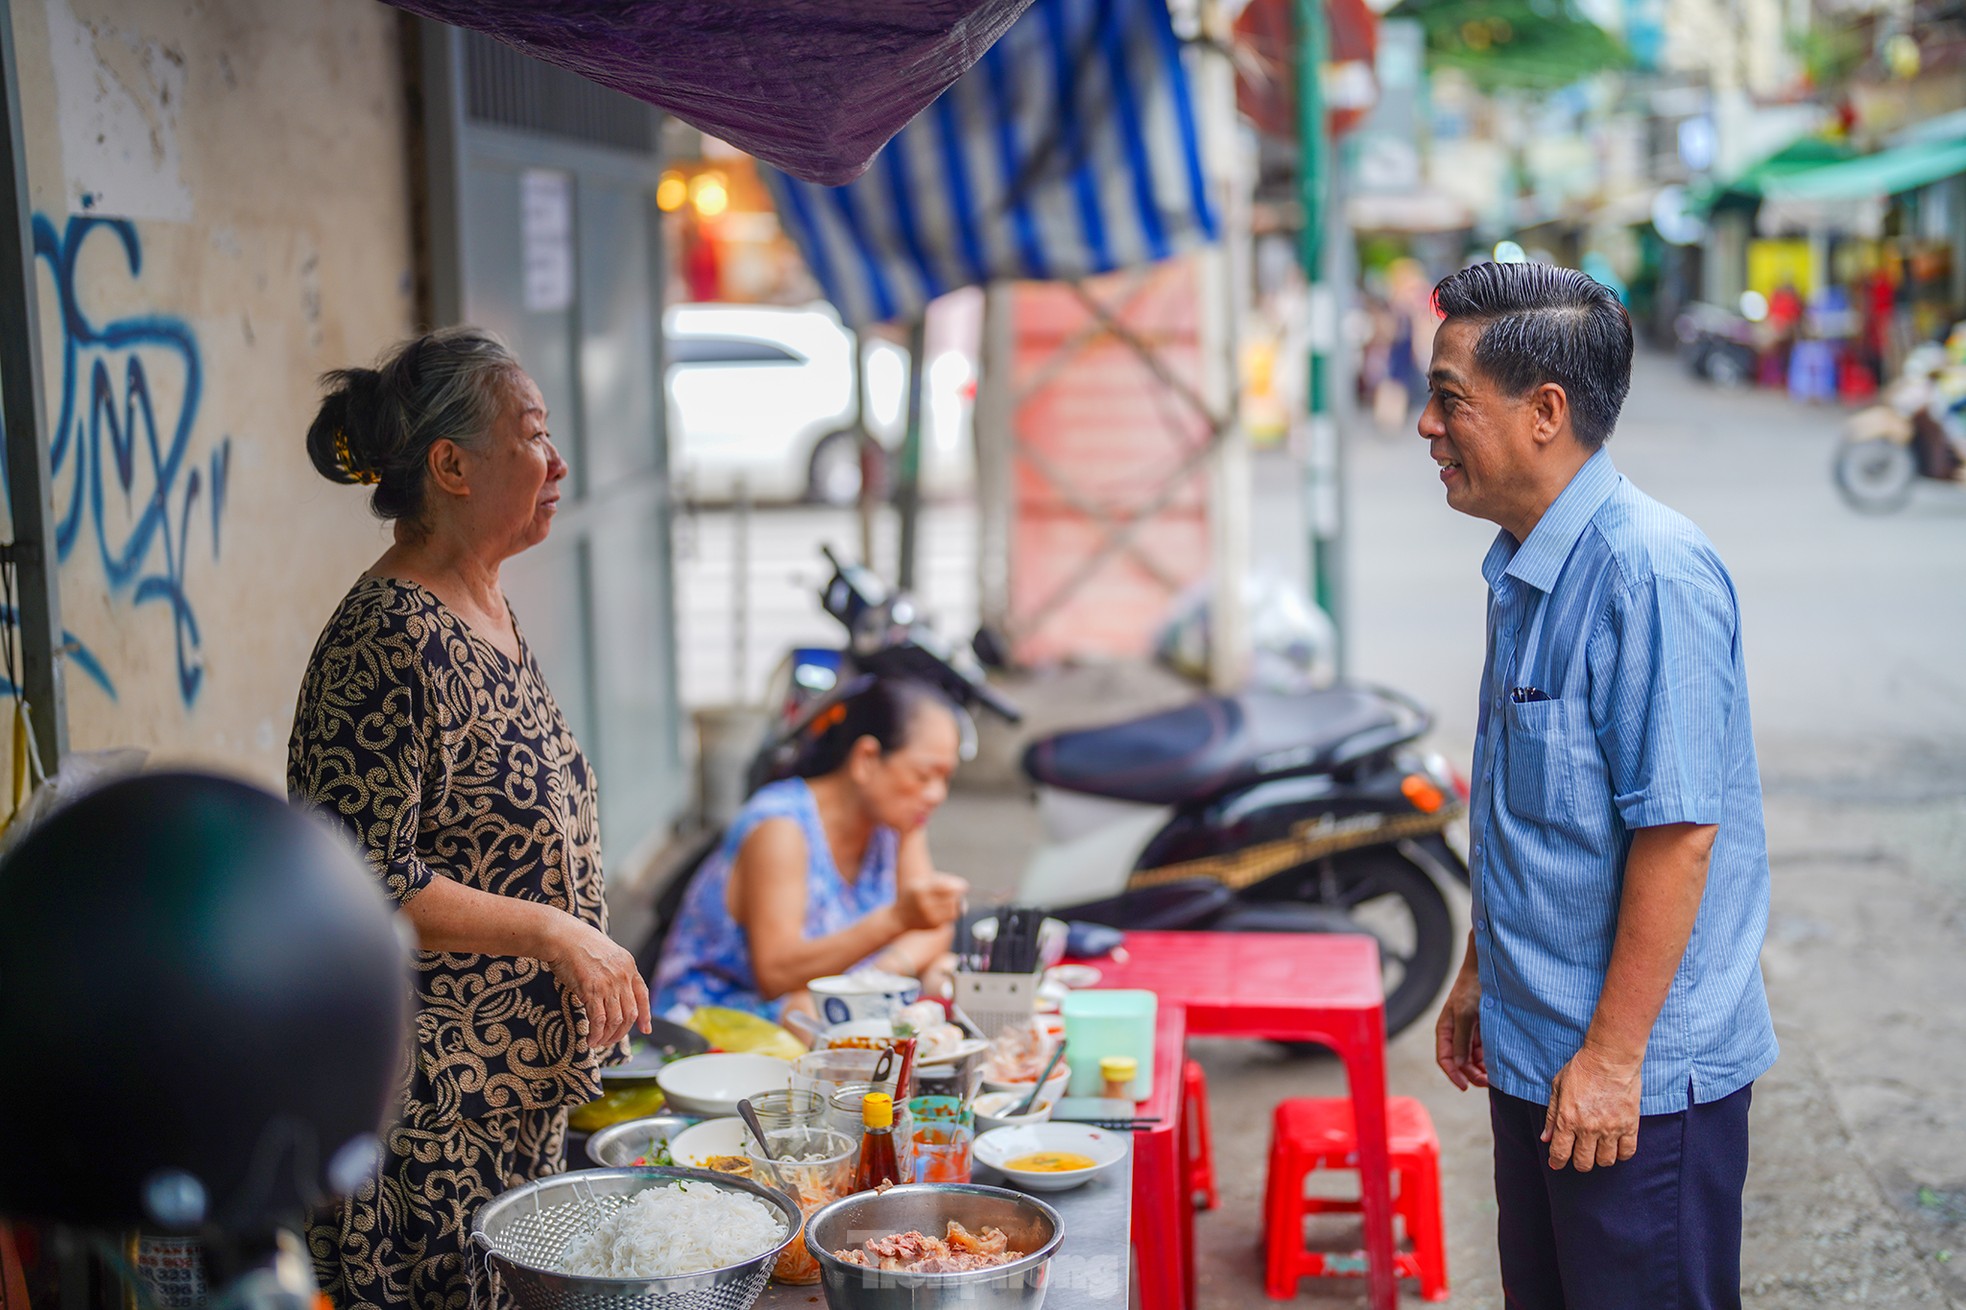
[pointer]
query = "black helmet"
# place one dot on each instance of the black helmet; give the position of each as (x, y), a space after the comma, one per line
(204, 1005)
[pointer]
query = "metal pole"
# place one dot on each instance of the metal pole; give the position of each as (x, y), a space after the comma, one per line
(864, 444)
(908, 490)
(32, 552)
(740, 595)
(1222, 271)
(1321, 498)
(993, 439)
(442, 87)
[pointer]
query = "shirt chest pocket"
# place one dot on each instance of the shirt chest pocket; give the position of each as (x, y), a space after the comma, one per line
(1551, 754)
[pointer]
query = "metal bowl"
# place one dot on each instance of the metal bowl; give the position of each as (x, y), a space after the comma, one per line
(1030, 1224)
(617, 1146)
(524, 1234)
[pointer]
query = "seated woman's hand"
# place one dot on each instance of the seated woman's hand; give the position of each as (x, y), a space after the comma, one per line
(603, 978)
(934, 902)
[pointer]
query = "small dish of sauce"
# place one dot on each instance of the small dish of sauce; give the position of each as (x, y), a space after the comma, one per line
(1050, 1162)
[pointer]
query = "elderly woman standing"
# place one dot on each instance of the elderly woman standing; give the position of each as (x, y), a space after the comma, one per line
(425, 728)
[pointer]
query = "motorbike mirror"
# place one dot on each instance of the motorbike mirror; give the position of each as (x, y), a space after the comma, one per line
(989, 648)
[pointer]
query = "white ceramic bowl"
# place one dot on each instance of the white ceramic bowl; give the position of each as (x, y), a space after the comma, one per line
(1054, 1086)
(993, 1110)
(1000, 1146)
(846, 997)
(693, 1147)
(710, 1086)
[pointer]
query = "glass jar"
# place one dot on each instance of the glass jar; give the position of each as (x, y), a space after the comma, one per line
(789, 1108)
(843, 1116)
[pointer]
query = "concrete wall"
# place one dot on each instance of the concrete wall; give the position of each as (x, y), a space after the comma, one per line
(222, 198)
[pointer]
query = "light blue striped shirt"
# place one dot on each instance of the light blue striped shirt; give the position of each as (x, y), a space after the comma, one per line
(1620, 612)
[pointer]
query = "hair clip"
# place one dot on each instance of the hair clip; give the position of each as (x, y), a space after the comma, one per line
(367, 477)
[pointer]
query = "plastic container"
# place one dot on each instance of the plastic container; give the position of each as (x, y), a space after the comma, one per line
(816, 1166)
(1117, 1074)
(1102, 1023)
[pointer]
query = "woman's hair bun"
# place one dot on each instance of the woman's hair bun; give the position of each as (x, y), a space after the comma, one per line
(341, 441)
(376, 425)
(881, 708)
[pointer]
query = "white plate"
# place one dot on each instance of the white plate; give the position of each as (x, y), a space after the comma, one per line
(1073, 975)
(862, 1034)
(1054, 1086)
(710, 1086)
(999, 1146)
(993, 1110)
(694, 1146)
(960, 1051)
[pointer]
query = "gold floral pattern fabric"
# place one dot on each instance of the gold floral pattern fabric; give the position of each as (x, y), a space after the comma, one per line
(404, 1238)
(445, 758)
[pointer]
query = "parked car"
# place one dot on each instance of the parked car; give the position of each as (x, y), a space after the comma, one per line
(762, 397)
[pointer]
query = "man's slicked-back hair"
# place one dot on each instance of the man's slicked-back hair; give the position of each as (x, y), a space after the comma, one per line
(1539, 324)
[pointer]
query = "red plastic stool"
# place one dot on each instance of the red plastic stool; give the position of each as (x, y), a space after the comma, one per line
(1201, 1153)
(1314, 1133)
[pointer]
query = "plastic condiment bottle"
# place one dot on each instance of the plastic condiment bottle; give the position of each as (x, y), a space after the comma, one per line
(878, 1163)
(1117, 1073)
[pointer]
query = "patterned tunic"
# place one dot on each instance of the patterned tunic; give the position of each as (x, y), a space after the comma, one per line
(444, 758)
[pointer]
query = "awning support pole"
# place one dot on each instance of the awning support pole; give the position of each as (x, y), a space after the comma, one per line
(908, 490)
(1222, 278)
(1323, 487)
(994, 443)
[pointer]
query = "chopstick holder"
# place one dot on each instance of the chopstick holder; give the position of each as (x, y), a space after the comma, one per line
(992, 1002)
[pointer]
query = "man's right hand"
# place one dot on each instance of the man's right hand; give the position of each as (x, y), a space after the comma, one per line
(934, 902)
(1457, 1036)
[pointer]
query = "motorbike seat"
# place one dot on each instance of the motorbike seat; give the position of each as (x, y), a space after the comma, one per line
(1218, 742)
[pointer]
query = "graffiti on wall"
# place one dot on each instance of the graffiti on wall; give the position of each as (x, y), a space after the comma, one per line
(125, 482)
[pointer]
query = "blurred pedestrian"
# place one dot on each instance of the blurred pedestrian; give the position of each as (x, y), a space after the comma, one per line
(1611, 997)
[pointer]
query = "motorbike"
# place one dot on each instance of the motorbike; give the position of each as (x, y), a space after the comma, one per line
(1716, 344)
(1308, 812)
(1916, 432)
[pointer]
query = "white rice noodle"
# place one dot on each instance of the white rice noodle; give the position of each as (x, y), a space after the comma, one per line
(666, 1231)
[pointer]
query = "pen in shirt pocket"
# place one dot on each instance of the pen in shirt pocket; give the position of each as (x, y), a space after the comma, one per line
(1527, 695)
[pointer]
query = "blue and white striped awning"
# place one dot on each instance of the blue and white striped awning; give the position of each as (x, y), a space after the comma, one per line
(1069, 149)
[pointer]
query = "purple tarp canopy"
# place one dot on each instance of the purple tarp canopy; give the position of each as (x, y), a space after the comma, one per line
(813, 86)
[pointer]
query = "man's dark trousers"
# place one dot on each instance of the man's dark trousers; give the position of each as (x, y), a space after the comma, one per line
(1660, 1231)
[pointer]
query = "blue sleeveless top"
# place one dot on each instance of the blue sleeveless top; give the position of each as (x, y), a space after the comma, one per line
(707, 960)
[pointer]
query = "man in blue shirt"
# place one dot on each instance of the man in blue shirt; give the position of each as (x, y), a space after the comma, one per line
(1611, 997)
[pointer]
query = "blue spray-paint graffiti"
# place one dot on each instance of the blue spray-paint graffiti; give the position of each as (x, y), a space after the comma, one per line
(107, 419)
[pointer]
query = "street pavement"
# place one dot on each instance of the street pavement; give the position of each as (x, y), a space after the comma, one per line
(1856, 654)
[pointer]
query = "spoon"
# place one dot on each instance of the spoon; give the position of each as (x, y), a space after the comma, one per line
(749, 1114)
(1051, 1064)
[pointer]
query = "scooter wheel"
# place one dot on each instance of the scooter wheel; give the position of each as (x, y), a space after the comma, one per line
(1876, 476)
(1384, 896)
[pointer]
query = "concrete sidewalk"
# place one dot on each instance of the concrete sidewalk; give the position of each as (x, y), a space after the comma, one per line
(1833, 1215)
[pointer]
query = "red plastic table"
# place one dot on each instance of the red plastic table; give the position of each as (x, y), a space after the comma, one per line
(1267, 987)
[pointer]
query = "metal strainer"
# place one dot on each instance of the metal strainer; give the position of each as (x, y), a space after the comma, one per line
(524, 1233)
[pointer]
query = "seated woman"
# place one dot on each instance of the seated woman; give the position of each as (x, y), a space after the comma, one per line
(828, 871)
